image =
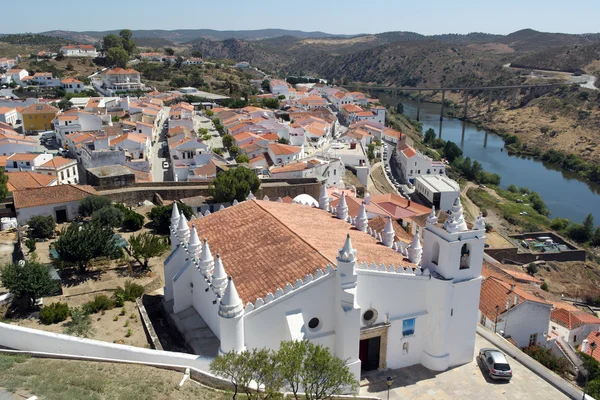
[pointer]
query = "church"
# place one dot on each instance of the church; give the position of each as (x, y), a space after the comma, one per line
(261, 272)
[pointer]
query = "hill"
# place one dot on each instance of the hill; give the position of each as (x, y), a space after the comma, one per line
(186, 35)
(153, 42)
(11, 45)
(531, 40)
(564, 58)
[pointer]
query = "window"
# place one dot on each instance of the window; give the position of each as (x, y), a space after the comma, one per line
(435, 255)
(465, 256)
(408, 327)
(62, 175)
(482, 320)
(27, 163)
(314, 323)
(532, 339)
(575, 338)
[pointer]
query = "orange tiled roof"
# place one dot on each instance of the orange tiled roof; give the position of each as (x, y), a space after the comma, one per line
(495, 292)
(39, 108)
(23, 156)
(57, 162)
(121, 71)
(378, 225)
(70, 80)
(28, 180)
(282, 149)
(273, 244)
(299, 166)
(573, 319)
(51, 195)
(4, 110)
(354, 203)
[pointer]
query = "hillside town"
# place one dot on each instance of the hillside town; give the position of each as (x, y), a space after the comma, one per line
(181, 226)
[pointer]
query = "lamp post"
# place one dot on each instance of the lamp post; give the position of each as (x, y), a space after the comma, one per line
(389, 382)
(587, 375)
(496, 321)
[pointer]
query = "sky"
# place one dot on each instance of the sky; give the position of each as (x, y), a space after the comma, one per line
(331, 16)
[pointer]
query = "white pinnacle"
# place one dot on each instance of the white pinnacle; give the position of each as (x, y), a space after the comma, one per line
(347, 253)
(219, 273)
(206, 255)
(231, 296)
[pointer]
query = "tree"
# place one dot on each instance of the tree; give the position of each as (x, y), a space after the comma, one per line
(132, 221)
(266, 85)
(127, 41)
(234, 184)
(81, 243)
(117, 56)
(512, 188)
(270, 103)
(90, 204)
(234, 150)
(588, 225)
(544, 286)
(60, 56)
(400, 108)
(429, 136)
(41, 226)
(80, 325)
(108, 216)
(28, 281)
(161, 216)
(227, 140)
(111, 41)
(452, 151)
(371, 151)
(283, 140)
(242, 158)
(202, 131)
(145, 246)
(3, 183)
(169, 51)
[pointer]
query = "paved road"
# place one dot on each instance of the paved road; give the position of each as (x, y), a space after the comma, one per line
(158, 173)
(466, 382)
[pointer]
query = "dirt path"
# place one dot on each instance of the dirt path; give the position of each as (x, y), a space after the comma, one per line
(473, 211)
(378, 184)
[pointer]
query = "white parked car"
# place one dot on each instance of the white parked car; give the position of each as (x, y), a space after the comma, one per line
(165, 164)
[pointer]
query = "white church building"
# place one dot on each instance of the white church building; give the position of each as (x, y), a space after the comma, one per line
(267, 271)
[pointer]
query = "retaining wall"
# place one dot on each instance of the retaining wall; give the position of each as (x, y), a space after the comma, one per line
(513, 254)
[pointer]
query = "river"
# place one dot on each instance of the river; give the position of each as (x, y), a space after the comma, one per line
(565, 194)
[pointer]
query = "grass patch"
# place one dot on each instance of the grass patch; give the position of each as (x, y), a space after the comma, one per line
(73, 380)
(509, 209)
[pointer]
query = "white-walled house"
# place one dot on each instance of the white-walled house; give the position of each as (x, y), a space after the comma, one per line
(279, 87)
(514, 313)
(45, 79)
(136, 145)
(75, 121)
(60, 202)
(11, 142)
(72, 85)
(15, 75)
(284, 153)
(64, 169)
(413, 163)
(331, 169)
(120, 79)
(572, 325)
(8, 115)
(306, 275)
(439, 190)
(79, 50)
(26, 161)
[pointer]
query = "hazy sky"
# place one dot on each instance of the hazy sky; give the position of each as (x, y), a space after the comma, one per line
(332, 16)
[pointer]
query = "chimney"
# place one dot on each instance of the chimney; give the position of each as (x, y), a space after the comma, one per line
(512, 287)
(585, 345)
(408, 203)
(507, 304)
(516, 299)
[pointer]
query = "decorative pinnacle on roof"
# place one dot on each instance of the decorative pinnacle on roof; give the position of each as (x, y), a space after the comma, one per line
(415, 250)
(174, 215)
(432, 218)
(347, 253)
(194, 243)
(341, 210)
(362, 221)
(231, 305)
(479, 223)
(250, 196)
(206, 254)
(456, 221)
(324, 198)
(388, 233)
(183, 230)
(219, 278)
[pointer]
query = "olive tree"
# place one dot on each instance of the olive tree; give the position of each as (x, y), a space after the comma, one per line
(28, 281)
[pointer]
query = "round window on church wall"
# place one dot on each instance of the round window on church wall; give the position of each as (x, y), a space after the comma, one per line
(369, 316)
(313, 323)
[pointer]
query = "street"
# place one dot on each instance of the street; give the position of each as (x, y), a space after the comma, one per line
(158, 173)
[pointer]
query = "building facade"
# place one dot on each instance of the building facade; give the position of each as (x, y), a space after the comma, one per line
(370, 303)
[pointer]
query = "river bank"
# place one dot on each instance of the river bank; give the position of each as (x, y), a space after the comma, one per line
(567, 195)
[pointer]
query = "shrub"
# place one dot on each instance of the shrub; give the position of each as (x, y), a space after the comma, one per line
(54, 313)
(512, 188)
(90, 204)
(41, 227)
(559, 224)
(30, 244)
(130, 292)
(108, 216)
(547, 359)
(80, 325)
(484, 212)
(132, 221)
(101, 302)
(545, 286)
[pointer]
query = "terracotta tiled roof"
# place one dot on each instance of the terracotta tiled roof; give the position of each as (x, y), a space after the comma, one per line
(521, 276)
(39, 109)
(573, 319)
(354, 203)
(299, 166)
(121, 71)
(28, 180)
(495, 292)
(594, 337)
(51, 195)
(70, 80)
(4, 110)
(282, 149)
(378, 225)
(407, 151)
(23, 156)
(58, 162)
(265, 245)
(398, 206)
(351, 108)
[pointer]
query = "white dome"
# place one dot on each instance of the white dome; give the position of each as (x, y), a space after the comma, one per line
(306, 199)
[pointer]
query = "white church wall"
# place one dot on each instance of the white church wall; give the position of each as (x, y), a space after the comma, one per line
(463, 321)
(394, 297)
(202, 301)
(436, 349)
(173, 264)
(267, 326)
(181, 286)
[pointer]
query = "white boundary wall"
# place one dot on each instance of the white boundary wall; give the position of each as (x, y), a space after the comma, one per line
(21, 338)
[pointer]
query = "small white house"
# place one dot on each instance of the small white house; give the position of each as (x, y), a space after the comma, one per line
(26, 161)
(61, 202)
(79, 50)
(572, 325)
(515, 314)
(64, 169)
(284, 153)
(8, 115)
(439, 190)
(72, 85)
(413, 163)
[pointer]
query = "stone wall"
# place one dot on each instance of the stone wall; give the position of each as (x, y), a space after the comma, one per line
(512, 254)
